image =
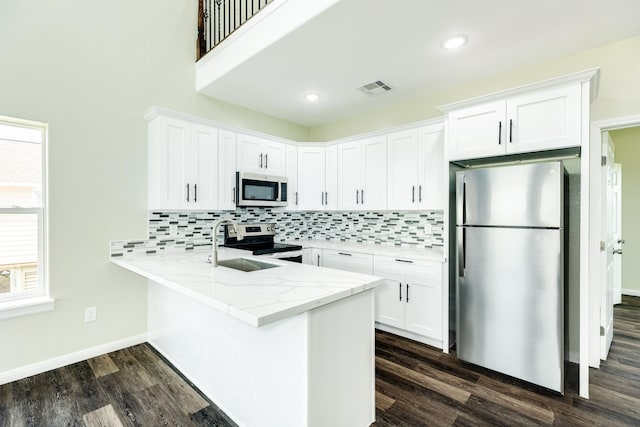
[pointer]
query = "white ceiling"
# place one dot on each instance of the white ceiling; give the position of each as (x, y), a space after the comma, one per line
(356, 42)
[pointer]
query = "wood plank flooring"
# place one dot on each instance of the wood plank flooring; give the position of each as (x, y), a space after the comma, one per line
(416, 385)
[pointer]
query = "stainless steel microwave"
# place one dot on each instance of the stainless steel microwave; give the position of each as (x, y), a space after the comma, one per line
(253, 189)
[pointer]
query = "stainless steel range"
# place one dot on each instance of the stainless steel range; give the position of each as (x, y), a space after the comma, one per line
(259, 239)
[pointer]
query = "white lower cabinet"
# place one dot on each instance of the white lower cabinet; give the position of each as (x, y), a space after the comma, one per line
(349, 261)
(411, 297)
(312, 256)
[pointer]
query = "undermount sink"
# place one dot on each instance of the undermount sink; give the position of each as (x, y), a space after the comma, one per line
(245, 264)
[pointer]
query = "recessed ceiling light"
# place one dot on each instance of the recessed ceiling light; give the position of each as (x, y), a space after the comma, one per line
(454, 42)
(311, 97)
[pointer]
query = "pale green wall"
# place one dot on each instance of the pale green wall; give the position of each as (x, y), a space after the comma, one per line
(90, 69)
(619, 93)
(627, 153)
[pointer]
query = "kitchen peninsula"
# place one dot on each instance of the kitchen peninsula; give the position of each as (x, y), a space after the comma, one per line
(291, 345)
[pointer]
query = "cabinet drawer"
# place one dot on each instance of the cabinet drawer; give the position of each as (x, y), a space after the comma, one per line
(403, 269)
(348, 261)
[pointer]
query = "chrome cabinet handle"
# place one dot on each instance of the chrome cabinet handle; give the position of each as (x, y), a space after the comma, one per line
(357, 202)
(413, 194)
(322, 198)
(344, 253)
(296, 198)
(400, 290)
(407, 292)
(419, 193)
(408, 261)
(266, 161)
(195, 193)
(233, 195)
(187, 192)
(260, 160)
(318, 260)
(500, 133)
(326, 198)
(362, 197)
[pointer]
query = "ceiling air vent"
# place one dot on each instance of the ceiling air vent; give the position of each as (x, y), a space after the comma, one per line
(375, 88)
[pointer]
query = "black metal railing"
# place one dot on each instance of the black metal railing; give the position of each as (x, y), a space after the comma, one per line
(218, 19)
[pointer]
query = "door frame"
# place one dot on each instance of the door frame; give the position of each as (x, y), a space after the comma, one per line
(591, 289)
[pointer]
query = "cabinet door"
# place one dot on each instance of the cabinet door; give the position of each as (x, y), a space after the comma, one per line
(203, 181)
(423, 308)
(168, 163)
(349, 173)
(373, 181)
(544, 120)
(226, 170)
(331, 178)
(291, 172)
(402, 168)
(275, 158)
(390, 305)
(311, 165)
(348, 261)
(477, 131)
(312, 256)
(251, 152)
(431, 174)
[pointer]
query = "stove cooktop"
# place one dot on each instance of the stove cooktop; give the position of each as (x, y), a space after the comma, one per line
(258, 239)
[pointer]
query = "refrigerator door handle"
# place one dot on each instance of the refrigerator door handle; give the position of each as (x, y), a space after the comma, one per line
(462, 243)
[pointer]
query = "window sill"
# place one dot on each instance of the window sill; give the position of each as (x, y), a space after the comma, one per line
(25, 306)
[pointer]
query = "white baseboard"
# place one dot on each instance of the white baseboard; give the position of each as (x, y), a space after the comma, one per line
(632, 292)
(68, 359)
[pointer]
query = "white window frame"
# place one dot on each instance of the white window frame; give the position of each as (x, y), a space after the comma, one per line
(36, 300)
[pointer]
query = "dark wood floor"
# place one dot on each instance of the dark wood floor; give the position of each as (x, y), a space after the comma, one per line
(416, 385)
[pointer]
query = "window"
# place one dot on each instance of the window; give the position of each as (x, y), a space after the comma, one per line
(22, 214)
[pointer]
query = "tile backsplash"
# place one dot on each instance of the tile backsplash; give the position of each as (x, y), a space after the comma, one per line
(187, 230)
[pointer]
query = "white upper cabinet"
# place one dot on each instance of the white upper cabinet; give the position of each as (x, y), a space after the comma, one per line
(539, 120)
(331, 178)
(260, 155)
(291, 172)
(311, 178)
(362, 174)
(415, 159)
(182, 165)
(226, 169)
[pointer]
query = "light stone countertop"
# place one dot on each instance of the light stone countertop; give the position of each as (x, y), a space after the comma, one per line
(257, 298)
(431, 254)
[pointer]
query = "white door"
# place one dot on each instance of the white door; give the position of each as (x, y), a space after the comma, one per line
(402, 168)
(331, 178)
(619, 241)
(607, 233)
(275, 158)
(349, 173)
(544, 120)
(203, 168)
(311, 167)
(477, 131)
(251, 154)
(292, 177)
(373, 182)
(431, 174)
(390, 303)
(226, 169)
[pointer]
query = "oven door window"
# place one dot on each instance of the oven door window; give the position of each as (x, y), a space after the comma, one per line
(259, 190)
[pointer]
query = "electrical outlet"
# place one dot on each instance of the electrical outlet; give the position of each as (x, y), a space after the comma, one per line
(90, 314)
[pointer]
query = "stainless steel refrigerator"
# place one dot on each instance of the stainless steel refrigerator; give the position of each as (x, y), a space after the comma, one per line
(510, 281)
